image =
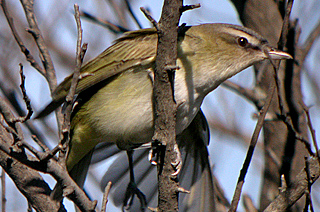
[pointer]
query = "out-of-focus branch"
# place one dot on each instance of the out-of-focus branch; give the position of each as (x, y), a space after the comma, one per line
(3, 190)
(249, 94)
(253, 142)
(248, 204)
(296, 189)
(309, 42)
(132, 14)
(113, 27)
(35, 32)
(23, 49)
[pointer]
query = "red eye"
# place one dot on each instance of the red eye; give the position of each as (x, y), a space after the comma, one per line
(242, 41)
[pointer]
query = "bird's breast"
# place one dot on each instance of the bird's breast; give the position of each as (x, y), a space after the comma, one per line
(122, 110)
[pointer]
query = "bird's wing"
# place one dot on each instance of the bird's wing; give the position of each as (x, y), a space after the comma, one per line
(131, 50)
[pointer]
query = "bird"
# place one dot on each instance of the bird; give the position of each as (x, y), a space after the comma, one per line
(195, 175)
(114, 96)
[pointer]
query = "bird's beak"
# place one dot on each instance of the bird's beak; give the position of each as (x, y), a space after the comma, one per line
(276, 54)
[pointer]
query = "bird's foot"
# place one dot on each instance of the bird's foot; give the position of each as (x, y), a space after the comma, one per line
(131, 191)
(176, 164)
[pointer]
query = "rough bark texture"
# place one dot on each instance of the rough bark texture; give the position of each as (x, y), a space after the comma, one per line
(165, 106)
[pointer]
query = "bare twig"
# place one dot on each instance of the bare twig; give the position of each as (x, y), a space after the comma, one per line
(19, 41)
(164, 104)
(105, 197)
(41, 145)
(253, 142)
(313, 133)
(189, 7)
(25, 96)
(35, 32)
(79, 57)
(3, 191)
(76, 77)
(132, 14)
(249, 94)
(309, 41)
(119, 12)
(50, 166)
(248, 204)
(308, 190)
(283, 186)
(150, 18)
(285, 26)
(113, 27)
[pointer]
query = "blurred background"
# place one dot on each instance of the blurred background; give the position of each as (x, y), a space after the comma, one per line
(230, 116)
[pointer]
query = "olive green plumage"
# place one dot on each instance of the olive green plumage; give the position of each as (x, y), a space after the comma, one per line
(115, 90)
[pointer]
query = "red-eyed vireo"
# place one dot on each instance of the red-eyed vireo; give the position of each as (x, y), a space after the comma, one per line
(115, 96)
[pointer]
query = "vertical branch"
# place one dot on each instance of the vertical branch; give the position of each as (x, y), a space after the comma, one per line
(3, 191)
(75, 78)
(165, 106)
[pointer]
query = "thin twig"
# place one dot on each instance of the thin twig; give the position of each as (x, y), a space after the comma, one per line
(248, 204)
(253, 142)
(25, 96)
(296, 189)
(105, 197)
(42, 145)
(313, 133)
(36, 34)
(150, 18)
(79, 57)
(309, 41)
(112, 27)
(47, 166)
(3, 191)
(249, 94)
(308, 190)
(189, 7)
(75, 79)
(119, 12)
(285, 26)
(19, 41)
(132, 14)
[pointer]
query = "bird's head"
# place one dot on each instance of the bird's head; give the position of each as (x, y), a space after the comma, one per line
(219, 51)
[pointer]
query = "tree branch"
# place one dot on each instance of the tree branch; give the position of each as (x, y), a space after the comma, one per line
(295, 190)
(35, 32)
(19, 41)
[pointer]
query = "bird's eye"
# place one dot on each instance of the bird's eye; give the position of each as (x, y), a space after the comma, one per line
(242, 41)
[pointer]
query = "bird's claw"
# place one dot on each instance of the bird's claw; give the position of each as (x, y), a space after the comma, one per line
(177, 163)
(132, 190)
(151, 155)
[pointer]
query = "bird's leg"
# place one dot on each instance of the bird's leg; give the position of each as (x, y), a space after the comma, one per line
(132, 188)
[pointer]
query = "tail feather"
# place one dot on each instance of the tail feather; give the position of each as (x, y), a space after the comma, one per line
(49, 109)
(78, 173)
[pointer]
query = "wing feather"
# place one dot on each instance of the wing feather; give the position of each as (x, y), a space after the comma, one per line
(131, 50)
